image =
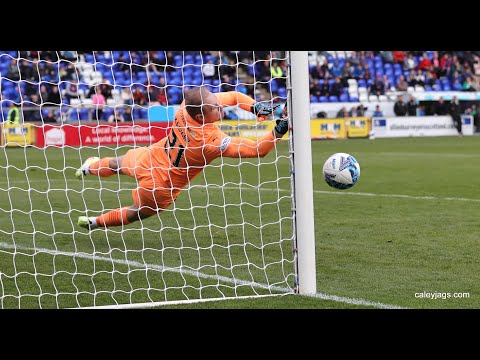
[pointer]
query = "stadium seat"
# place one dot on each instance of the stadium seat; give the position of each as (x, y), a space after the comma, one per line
(333, 98)
(353, 99)
(323, 99)
(314, 99)
(344, 98)
(373, 98)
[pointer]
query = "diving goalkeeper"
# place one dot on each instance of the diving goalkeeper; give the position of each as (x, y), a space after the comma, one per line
(164, 168)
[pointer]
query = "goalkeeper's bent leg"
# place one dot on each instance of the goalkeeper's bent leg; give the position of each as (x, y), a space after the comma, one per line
(117, 217)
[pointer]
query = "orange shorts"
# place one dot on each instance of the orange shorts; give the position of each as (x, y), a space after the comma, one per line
(153, 194)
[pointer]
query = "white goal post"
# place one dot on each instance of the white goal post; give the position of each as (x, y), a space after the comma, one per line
(243, 228)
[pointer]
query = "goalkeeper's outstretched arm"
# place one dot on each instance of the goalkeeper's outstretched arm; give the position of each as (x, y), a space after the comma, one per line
(245, 148)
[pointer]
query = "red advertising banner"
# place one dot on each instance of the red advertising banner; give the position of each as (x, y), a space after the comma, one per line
(99, 135)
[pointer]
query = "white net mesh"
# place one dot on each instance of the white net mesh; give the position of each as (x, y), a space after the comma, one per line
(228, 234)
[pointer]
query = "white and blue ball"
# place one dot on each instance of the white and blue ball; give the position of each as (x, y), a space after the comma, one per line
(341, 171)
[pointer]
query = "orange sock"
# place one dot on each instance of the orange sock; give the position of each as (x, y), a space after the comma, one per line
(101, 167)
(115, 217)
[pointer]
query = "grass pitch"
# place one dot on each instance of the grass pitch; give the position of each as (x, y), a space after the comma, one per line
(406, 232)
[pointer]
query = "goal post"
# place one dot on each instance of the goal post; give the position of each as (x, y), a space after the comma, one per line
(242, 229)
(302, 173)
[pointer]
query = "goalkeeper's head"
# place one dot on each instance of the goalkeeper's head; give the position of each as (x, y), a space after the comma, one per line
(203, 106)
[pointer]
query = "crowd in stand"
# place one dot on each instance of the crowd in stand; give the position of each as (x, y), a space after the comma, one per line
(460, 70)
(50, 79)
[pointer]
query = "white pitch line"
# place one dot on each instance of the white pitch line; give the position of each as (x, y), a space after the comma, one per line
(253, 188)
(140, 265)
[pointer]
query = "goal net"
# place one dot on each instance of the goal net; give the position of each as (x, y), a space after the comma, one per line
(230, 233)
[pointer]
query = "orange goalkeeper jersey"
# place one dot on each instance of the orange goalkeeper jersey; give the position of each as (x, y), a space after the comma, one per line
(190, 146)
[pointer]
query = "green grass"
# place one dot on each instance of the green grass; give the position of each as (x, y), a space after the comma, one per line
(370, 244)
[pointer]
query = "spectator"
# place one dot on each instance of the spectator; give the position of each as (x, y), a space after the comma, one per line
(337, 87)
(445, 64)
(353, 59)
(127, 114)
(14, 115)
(387, 56)
(276, 71)
(402, 84)
(26, 71)
(116, 116)
(342, 113)
(468, 85)
(436, 64)
(476, 118)
(412, 106)
(265, 72)
(54, 96)
(377, 112)
(336, 70)
(71, 91)
(366, 75)
(139, 97)
(420, 78)
(318, 72)
(155, 64)
(358, 72)
(347, 73)
(209, 70)
(126, 96)
(50, 117)
(377, 88)
(421, 110)
(411, 78)
(429, 79)
(31, 111)
(360, 111)
(232, 114)
(43, 93)
(352, 111)
(454, 111)
(98, 101)
(13, 73)
(400, 108)
(315, 88)
(325, 67)
(409, 63)
(386, 84)
(425, 63)
(399, 57)
(162, 96)
(440, 107)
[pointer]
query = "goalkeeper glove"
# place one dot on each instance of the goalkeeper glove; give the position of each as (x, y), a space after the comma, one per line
(282, 123)
(263, 110)
(282, 126)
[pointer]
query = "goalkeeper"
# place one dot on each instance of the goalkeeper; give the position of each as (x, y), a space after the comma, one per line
(164, 168)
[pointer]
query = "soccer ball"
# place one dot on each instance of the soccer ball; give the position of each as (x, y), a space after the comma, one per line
(341, 171)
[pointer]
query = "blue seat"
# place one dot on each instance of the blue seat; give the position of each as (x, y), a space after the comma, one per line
(333, 98)
(437, 87)
(362, 83)
(282, 92)
(323, 99)
(446, 87)
(353, 99)
(456, 87)
(314, 99)
(344, 98)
